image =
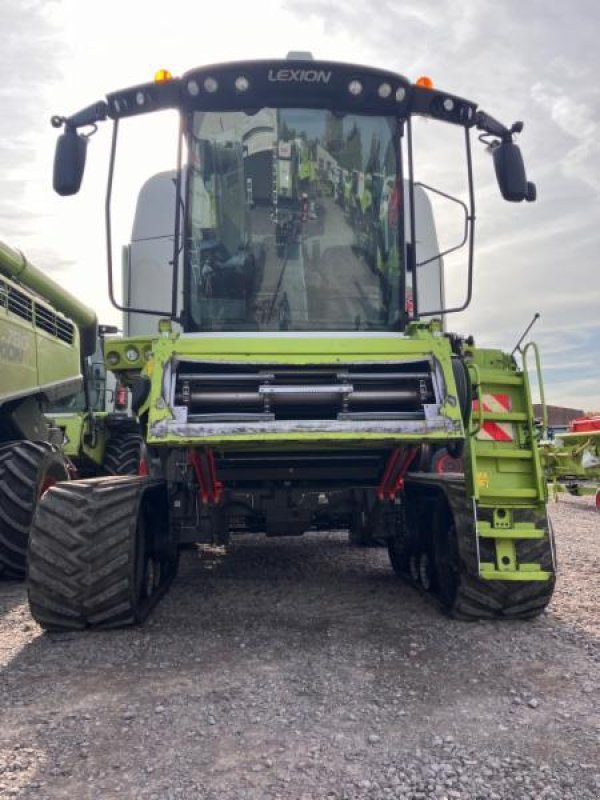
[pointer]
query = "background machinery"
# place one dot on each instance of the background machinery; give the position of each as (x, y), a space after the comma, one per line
(100, 435)
(316, 399)
(572, 459)
(44, 333)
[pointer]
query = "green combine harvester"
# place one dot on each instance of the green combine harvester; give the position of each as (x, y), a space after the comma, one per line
(100, 435)
(294, 381)
(44, 331)
(572, 459)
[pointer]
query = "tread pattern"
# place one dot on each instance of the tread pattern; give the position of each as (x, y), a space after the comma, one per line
(24, 466)
(476, 598)
(484, 599)
(83, 555)
(122, 454)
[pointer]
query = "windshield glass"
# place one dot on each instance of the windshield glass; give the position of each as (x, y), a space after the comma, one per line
(294, 221)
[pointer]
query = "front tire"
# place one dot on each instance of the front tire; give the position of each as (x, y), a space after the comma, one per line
(122, 454)
(27, 470)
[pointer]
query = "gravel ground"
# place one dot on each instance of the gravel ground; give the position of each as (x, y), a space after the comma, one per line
(301, 668)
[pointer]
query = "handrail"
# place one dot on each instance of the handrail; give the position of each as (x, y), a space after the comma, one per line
(473, 431)
(538, 365)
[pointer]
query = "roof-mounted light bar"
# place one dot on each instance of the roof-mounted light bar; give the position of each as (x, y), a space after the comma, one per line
(293, 82)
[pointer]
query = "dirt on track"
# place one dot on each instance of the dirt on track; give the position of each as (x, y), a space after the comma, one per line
(302, 668)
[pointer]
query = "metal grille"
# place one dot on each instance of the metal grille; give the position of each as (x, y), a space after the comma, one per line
(20, 304)
(243, 392)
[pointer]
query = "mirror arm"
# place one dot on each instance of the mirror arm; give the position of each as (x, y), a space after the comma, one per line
(87, 116)
(484, 122)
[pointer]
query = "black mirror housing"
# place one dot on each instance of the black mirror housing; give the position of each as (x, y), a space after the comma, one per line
(510, 173)
(69, 162)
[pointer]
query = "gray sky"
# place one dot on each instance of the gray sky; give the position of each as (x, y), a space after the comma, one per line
(535, 61)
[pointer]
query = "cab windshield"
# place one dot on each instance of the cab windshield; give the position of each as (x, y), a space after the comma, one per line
(294, 222)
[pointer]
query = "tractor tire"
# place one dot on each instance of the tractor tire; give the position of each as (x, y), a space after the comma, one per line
(122, 454)
(100, 553)
(456, 448)
(27, 470)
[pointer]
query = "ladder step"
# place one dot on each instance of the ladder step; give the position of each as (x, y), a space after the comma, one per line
(501, 416)
(526, 572)
(517, 531)
(485, 451)
(499, 378)
(517, 494)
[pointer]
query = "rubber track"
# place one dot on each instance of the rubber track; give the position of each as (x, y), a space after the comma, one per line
(82, 555)
(478, 599)
(20, 464)
(483, 599)
(122, 454)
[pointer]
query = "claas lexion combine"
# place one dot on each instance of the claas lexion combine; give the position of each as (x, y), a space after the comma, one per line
(292, 382)
(44, 333)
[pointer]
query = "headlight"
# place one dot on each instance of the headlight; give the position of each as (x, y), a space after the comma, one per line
(113, 358)
(211, 85)
(132, 354)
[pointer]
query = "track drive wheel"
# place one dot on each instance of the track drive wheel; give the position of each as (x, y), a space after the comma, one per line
(403, 548)
(122, 454)
(100, 553)
(412, 560)
(27, 470)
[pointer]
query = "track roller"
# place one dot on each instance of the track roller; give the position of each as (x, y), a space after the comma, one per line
(27, 470)
(100, 553)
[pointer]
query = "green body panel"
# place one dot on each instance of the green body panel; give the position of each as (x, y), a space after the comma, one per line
(115, 349)
(503, 469)
(84, 434)
(32, 360)
(18, 356)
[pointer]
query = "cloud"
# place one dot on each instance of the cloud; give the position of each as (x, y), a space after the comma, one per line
(579, 121)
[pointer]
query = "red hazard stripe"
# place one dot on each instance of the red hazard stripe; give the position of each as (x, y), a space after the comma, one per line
(496, 432)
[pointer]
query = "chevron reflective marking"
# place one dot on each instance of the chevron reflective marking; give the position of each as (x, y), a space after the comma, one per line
(491, 430)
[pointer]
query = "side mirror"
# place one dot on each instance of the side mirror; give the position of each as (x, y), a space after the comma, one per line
(510, 173)
(69, 162)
